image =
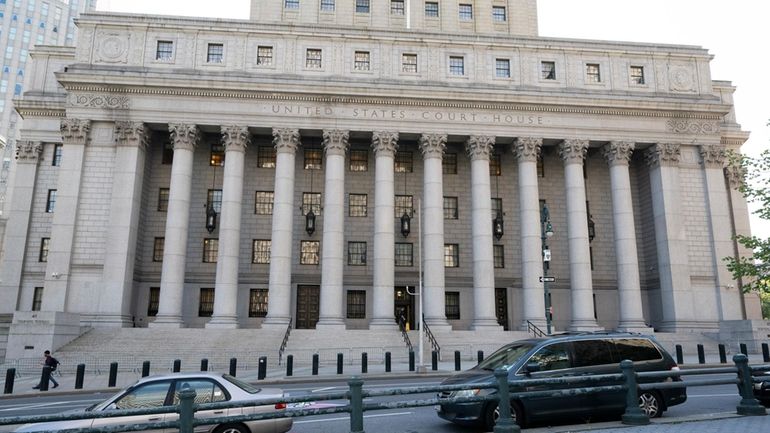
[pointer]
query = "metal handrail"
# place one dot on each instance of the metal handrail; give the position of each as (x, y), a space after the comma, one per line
(431, 338)
(534, 330)
(402, 327)
(284, 342)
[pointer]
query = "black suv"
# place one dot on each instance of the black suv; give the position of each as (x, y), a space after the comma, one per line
(560, 356)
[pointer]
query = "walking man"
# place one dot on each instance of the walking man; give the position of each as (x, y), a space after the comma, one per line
(51, 362)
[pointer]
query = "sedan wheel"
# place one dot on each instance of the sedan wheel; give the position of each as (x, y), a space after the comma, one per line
(650, 403)
(232, 428)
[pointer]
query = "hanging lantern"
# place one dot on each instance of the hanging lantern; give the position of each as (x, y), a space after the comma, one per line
(497, 226)
(310, 222)
(211, 218)
(406, 224)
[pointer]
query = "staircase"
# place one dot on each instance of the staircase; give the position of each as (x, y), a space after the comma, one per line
(468, 342)
(303, 343)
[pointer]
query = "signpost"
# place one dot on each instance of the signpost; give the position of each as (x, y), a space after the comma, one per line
(547, 279)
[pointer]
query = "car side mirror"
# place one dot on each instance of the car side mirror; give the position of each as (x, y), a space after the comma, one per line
(111, 406)
(532, 367)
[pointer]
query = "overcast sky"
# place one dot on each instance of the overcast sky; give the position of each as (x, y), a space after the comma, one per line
(735, 32)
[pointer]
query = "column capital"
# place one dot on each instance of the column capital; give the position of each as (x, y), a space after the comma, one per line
(184, 136)
(618, 152)
(713, 156)
(736, 174)
(527, 148)
(236, 138)
(480, 146)
(573, 150)
(74, 131)
(336, 141)
(286, 140)
(28, 152)
(663, 154)
(385, 143)
(132, 134)
(433, 145)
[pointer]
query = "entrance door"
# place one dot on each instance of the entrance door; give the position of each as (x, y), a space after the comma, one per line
(501, 307)
(307, 306)
(403, 305)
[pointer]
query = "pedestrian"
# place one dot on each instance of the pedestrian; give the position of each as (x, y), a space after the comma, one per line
(49, 361)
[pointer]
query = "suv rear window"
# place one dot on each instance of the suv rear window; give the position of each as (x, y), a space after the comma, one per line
(592, 352)
(636, 349)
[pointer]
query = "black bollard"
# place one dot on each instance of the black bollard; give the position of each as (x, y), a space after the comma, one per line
(457, 360)
(701, 355)
(79, 376)
(679, 355)
(145, 368)
(480, 356)
(765, 353)
(434, 360)
(177, 365)
(233, 366)
(113, 379)
(364, 362)
(411, 360)
(315, 365)
(339, 363)
(45, 376)
(262, 369)
(204, 364)
(10, 376)
(387, 362)
(290, 365)
(722, 354)
(744, 350)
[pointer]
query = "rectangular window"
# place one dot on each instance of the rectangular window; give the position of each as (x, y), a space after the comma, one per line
(158, 247)
(206, 302)
(266, 157)
(404, 203)
(264, 55)
(291, 4)
(362, 6)
(309, 252)
(210, 250)
(57, 152)
(593, 73)
(356, 304)
(450, 208)
(637, 74)
(397, 7)
(497, 207)
(51, 202)
(313, 58)
(44, 243)
(164, 50)
(548, 70)
(409, 63)
(311, 200)
(456, 65)
(540, 166)
(359, 160)
(449, 163)
(431, 9)
(357, 253)
(37, 299)
(403, 162)
(168, 153)
(495, 166)
(263, 202)
(214, 199)
(403, 254)
(313, 159)
(217, 157)
(503, 68)
(451, 255)
(361, 61)
(215, 53)
(260, 253)
(452, 305)
(499, 255)
(327, 5)
(357, 205)
(153, 302)
(498, 14)
(258, 302)
(466, 12)
(163, 200)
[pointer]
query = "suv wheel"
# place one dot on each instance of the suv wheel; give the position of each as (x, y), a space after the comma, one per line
(651, 404)
(493, 413)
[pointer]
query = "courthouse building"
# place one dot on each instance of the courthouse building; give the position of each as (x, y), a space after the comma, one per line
(317, 163)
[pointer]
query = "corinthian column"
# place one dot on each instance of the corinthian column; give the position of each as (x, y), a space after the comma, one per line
(279, 300)
(479, 147)
(573, 152)
(385, 145)
(235, 139)
(618, 155)
(432, 147)
(185, 138)
(527, 150)
(333, 244)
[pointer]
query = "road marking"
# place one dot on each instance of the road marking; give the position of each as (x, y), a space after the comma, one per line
(713, 395)
(347, 418)
(328, 388)
(31, 405)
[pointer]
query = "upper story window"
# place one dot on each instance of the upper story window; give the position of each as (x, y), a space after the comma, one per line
(593, 73)
(266, 157)
(264, 55)
(313, 159)
(466, 12)
(260, 251)
(57, 149)
(403, 162)
(456, 65)
(362, 6)
(309, 252)
(431, 9)
(263, 202)
(403, 204)
(637, 74)
(44, 244)
(291, 4)
(164, 51)
(502, 68)
(356, 253)
(498, 14)
(409, 63)
(214, 198)
(311, 201)
(548, 70)
(359, 160)
(167, 157)
(51, 202)
(451, 255)
(450, 208)
(327, 5)
(313, 58)
(215, 53)
(210, 250)
(495, 166)
(357, 205)
(449, 163)
(397, 7)
(158, 248)
(362, 61)
(163, 199)
(217, 157)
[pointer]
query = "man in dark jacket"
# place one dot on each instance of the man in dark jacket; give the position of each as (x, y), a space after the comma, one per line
(49, 361)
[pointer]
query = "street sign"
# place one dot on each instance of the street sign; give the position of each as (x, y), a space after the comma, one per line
(547, 279)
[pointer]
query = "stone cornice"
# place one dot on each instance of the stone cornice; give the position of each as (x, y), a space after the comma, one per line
(286, 140)
(385, 143)
(433, 145)
(480, 146)
(573, 150)
(335, 141)
(663, 155)
(618, 152)
(132, 134)
(184, 136)
(713, 156)
(74, 131)
(28, 152)
(527, 149)
(235, 138)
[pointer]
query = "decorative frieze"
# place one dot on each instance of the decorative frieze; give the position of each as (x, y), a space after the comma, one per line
(286, 140)
(527, 148)
(91, 100)
(74, 131)
(184, 136)
(132, 134)
(335, 141)
(688, 126)
(663, 155)
(433, 145)
(736, 174)
(236, 138)
(618, 152)
(573, 150)
(28, 151)
(480, 146)
(713, 156)
(385, 143)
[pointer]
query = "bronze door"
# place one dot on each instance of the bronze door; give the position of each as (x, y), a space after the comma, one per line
(501, 307)
(307, 306)
(403, 305)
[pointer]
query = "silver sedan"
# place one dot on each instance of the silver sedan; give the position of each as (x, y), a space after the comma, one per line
(160, 391)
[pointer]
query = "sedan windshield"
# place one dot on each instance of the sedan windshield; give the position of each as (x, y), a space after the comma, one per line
(506, 356)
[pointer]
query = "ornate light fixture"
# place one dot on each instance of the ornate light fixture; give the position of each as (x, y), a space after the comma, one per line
(497, 223)
(211, 213)
(591, 229)
(310, 215)
(406, 220)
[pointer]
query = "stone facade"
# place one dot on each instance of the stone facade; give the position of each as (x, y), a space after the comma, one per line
(307, 119)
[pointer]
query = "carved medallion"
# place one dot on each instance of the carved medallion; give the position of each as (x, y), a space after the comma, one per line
(112, 47)
(681, 78)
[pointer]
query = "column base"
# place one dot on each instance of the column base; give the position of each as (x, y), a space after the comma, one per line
(330, 325)
(383, 324)
(108, 321)
(486, 325)
(222, 322)
(276, 321)
(438, 324)
(585, 326)
(166, 322)
(635, 326)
